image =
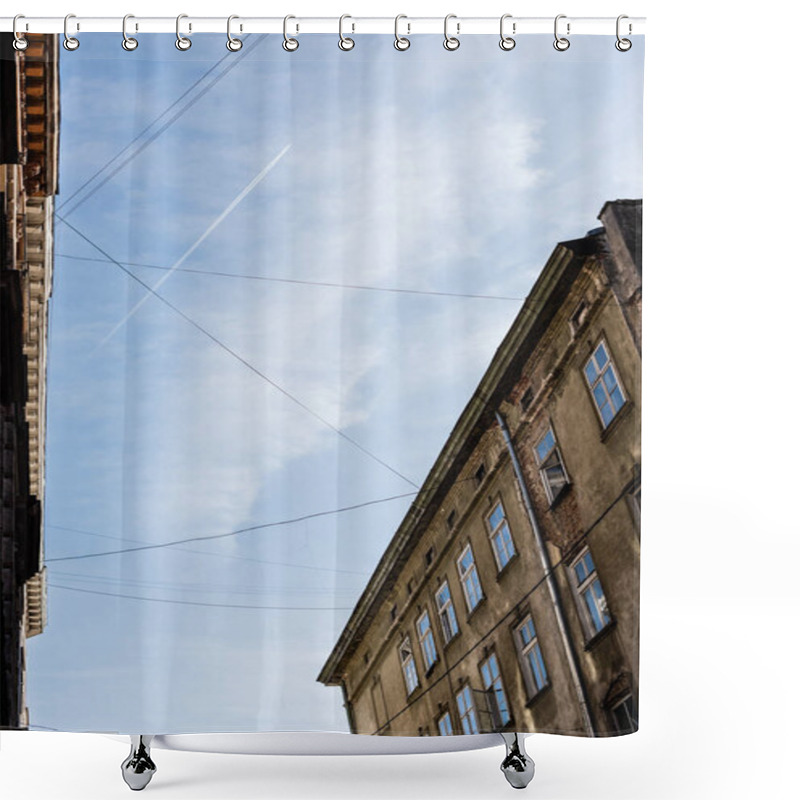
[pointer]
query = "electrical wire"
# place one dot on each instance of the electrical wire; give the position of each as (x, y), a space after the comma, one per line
(360, 287)
(196, 603)
(239, 358)
(250, 529)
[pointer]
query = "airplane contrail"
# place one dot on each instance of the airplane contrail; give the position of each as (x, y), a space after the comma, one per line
(208, 231)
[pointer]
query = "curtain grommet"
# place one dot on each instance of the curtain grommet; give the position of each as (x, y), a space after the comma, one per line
(451, 43)
(345, 42)
(20, 43)
(507, 42)
(71, 43)
(401, 43)
(182, 42)
(129, 43)
(561, 43)
(233, 44)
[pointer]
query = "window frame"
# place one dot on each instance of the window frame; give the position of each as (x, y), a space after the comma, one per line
(581, 588)
(494, 533)
(498, 723)
(532, 683)
(463, 577)
(600, 381)
(434, 655)
(541, 463)
(411, 661)
(630, 713)
(471, 711)
(447, 610)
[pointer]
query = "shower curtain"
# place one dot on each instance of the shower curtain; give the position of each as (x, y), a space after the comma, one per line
(343, 366)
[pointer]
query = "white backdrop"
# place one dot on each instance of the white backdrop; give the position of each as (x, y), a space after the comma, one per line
(719, 587)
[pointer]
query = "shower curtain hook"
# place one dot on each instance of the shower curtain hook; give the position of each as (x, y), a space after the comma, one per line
(400, 42)
(289, 44)
(507, 42)
(234, 45)
(128, 42)
(181, 42)
(70, 42)
(345, 42)
(623, 45)
(451, 42)
(20, 42)
(561, 43)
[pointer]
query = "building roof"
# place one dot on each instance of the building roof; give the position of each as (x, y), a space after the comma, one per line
(544, 300)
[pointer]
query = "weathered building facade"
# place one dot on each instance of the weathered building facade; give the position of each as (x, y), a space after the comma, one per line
(508, 598)
(29, 125)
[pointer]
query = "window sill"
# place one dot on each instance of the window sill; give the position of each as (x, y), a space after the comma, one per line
(556, 501)
(501, 574)
(598, 637)
(479, 605)
(455, 636)
(431, 668)
(623, 413)
(532, 701)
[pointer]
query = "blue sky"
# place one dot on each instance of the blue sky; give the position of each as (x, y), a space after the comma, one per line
(282, 395)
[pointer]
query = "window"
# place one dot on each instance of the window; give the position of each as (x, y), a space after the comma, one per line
(470, 582)
(592, 599)
(527, 399)
(393, 613)
(605, 388)
(579, 317)
(409, 666)
(493, 683)
(429, 557)
(447, 613)
(445, 724)
(500, 535)
(624, 714)
(551, 466)
(466, 711)
(480, 474)
(451, 520)
(533, 669)
(426, 642)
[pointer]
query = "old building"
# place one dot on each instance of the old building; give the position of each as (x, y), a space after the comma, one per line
(508, 597)
(28, 180)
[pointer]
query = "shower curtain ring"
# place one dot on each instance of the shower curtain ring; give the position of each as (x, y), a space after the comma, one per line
(20, 42)
(289, 44)
(233, 44)
(507, 42)
(451, 42)
(345, 42)
(128, 42)
(623, 45)
(181, 42)
(561, 43)
(400, 42)
(70, 42)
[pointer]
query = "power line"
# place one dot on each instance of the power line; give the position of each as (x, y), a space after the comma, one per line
(239, 358)
(157, 133)
(298, 281)
(207, 588)
(215, 555)
(197, 603)
(231, 533)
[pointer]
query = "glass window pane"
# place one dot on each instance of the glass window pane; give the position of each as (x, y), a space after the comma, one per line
(496, 517)
(610, 379)
(617, 399)
(591, 372)
(600, 356)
